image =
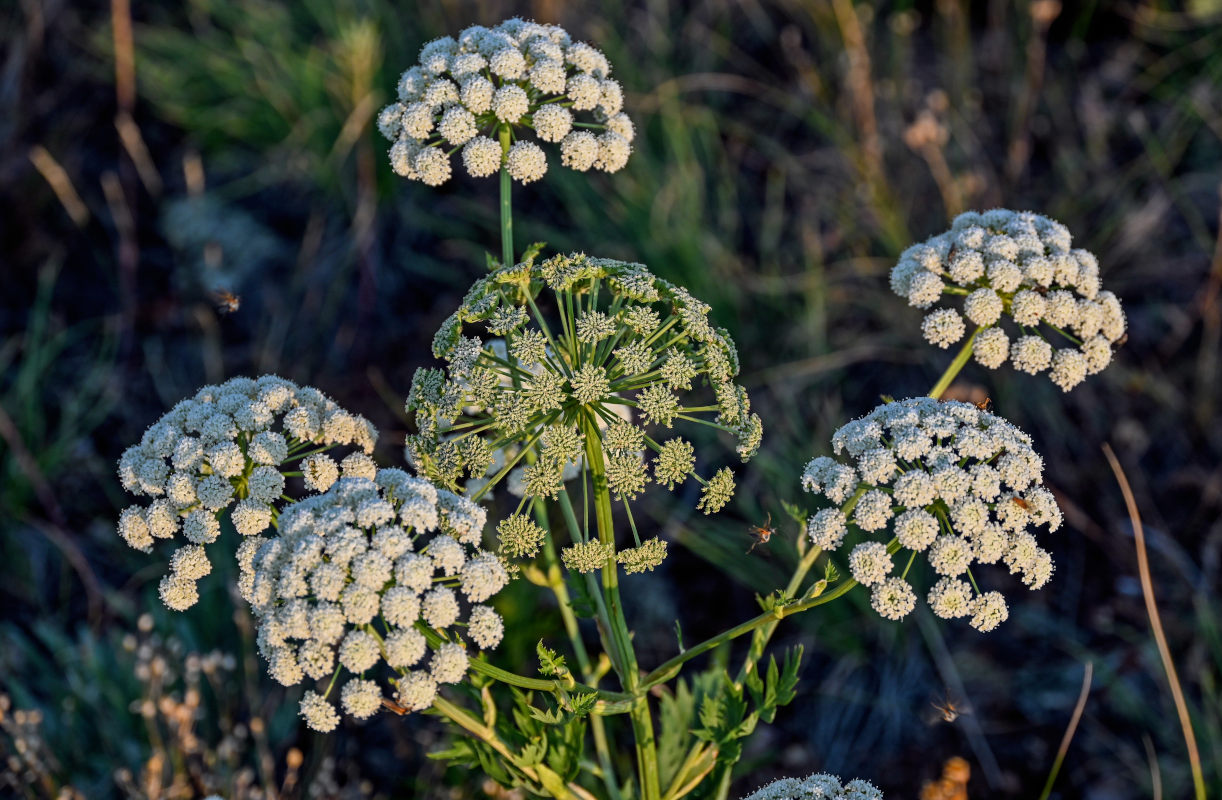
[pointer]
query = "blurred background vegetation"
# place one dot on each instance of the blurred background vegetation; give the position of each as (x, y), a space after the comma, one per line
(787, 152)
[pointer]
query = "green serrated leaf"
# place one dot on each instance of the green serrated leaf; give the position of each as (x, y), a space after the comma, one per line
(712, 713)
(533, 752)
(553, 717)
(567, 746)
(755, 685)
(550, 662)
(676, 714)
(583, 703)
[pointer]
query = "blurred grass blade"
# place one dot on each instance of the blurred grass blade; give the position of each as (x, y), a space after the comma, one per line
(1147, 590)
(1070, 731)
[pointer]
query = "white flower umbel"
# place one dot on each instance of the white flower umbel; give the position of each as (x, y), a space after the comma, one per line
(227, 450)
(961, 485)
(510, 79)
(356, 581)
(820, 786)
(576, 341)
(1017, 265)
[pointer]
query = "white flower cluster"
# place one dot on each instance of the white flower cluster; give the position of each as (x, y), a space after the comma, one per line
(948, 480)
(821, 786)
(1016, 264)
(226, 450)
(577, 341)
(357, 577)
(466, 92)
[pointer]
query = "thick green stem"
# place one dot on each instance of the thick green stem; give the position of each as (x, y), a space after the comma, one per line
(602, 619)
(506, 202)
(555, 581)
(961, 358)
(642, 719)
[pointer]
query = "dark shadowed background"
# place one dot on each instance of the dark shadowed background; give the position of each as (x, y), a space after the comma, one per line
(787, 152)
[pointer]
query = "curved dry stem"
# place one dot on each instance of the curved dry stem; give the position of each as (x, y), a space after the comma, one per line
(1156, 624)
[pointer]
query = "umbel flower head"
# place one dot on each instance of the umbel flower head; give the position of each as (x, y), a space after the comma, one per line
(820, 786)
(226, 451)
(360, 580)
(960, 485)
(467, 92)
(1014, 264)
(542, 360)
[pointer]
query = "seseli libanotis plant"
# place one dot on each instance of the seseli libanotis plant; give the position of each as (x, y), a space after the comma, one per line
(572, 383)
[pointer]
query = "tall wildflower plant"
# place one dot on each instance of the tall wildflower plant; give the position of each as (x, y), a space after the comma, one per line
(568, 385)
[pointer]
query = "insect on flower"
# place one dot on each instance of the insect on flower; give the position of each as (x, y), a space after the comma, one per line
(391, 705)
(985, 405)
(226, 301)
(762, 533)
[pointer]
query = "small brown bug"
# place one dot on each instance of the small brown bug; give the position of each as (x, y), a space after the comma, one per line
(762, 533)
(226, 301)
(947, 709)
(391, 705)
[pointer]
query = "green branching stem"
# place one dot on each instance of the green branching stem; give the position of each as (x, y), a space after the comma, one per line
(642, 720)
(672, 667)
(506, 201)
(961, 358)
(608, 702)
(759, 639)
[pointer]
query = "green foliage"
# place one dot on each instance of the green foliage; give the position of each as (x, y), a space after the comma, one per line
(549, 740)
(550, 663)
(713, 709)
(298, 83)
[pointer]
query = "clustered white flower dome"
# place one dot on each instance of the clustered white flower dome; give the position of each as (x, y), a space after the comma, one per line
(517, 75)
(946, 479)
(820, 786)
(226, 450)
(357, 577)
(1020, 265)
